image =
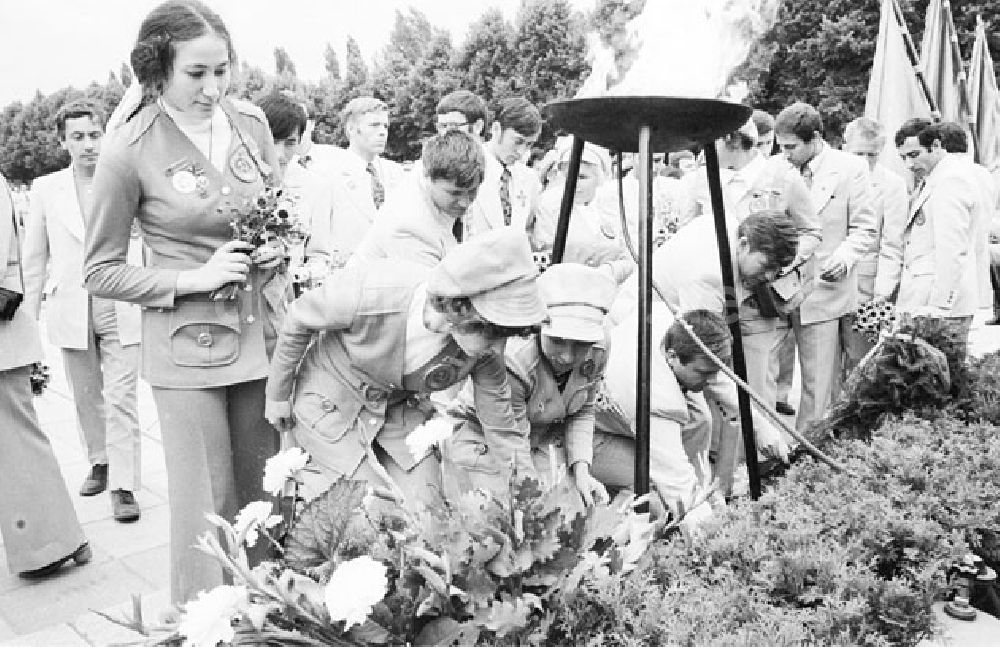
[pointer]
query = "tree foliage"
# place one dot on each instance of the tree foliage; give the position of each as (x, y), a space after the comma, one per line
(331, 62)
(818, 51)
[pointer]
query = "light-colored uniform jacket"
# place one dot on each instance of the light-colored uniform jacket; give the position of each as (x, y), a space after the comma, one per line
(879, 269)
(939, 250)
(843, 197)
(19, 341)
(187, 341)
(54, 233)
(409, 228)
(347, 384)
(545, 415)
(486, 212)
(353, 208)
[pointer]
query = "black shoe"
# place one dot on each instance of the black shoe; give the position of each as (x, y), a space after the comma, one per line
(81, 556)
(125, 508)
(995, 321)
(96, 482)
(784, 409)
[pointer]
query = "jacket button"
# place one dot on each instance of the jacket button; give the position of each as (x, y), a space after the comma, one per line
(250, 319)
(248, 288)
(483, 449)
(225, 190)
(328, 406)
(205, 339)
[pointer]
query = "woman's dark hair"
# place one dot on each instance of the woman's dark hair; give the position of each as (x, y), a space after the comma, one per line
(174, 21)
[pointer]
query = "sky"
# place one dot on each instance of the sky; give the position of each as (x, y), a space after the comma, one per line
(49, 44)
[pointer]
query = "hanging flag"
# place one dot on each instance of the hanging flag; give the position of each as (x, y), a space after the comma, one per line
(984, 99)
(941, 64)
(894, 90)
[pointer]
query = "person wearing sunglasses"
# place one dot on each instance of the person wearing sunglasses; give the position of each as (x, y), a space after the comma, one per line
(554, 378)
(358, 358)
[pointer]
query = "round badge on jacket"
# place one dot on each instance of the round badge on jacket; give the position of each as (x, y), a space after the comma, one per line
(242, 167)
(184, 181)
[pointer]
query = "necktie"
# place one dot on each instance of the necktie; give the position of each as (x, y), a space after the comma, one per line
(378, 190)
(807, 175)
(458, 229)
(505, 195)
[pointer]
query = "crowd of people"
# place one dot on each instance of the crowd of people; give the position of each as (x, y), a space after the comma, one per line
(423, 295)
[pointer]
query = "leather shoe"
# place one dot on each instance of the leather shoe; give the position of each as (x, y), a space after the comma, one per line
(81, 556)
(96, 482)
(784, 409)
(125, 508)
(995, 321)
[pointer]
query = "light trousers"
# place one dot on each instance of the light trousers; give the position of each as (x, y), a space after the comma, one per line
(215, 442)
(103, 379)
(819, 362)
(37, 519)
(784, 365)
(678, 456)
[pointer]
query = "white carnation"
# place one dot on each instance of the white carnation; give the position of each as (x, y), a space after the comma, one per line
(252, 517)
(208, 620)
(427, 435)
(354, 588)
(283, 467)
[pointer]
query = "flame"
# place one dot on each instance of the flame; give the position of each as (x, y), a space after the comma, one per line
(685, 48)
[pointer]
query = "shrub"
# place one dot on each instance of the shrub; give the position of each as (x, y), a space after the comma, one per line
(823, 558)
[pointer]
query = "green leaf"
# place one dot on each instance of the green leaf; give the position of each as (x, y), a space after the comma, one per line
(323, 524)
(370, 633)
(504, 617)
(447, 632)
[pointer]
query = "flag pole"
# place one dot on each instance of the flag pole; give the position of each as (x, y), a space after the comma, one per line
(911, 53)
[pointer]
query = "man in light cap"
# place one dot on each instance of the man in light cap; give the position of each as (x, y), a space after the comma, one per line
(554, 378)
(594, 237)
(391, 334)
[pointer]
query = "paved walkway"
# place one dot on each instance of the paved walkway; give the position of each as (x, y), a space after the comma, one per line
(132, 558)
(128, 558)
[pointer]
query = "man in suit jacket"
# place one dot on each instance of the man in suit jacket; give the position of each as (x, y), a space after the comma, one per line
(38, 524)
(99, 338)
(424, 219)
(879, 268)
(312, 192)
(939, 277)
(842, 193)
(510, 190)
(361, 179)
(751, 183)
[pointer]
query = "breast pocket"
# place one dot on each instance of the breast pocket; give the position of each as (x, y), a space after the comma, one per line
(328, 418)
(205, 333)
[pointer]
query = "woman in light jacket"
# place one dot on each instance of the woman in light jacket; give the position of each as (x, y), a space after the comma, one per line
(178, 165)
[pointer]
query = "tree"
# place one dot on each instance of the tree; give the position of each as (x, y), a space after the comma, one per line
(411, 35)
(283, 64)
(125, 75)
(356, 78)
(413, 104)
(249, 82)
(331, 62)
(551, 50)
(487, 59)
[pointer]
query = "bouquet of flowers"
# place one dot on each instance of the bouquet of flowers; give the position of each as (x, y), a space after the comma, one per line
(272, 218)
(351, 572)
(40, 378)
